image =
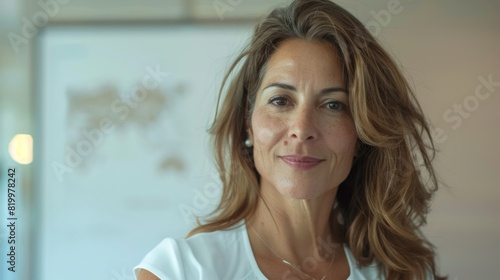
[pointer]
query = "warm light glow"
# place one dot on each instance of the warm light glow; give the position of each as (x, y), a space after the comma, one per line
(21, 148)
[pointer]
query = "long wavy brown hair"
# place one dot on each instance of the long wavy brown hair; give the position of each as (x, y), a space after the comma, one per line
(384, 201)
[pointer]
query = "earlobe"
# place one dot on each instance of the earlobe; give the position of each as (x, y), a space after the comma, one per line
(248, 143)
(249, 140)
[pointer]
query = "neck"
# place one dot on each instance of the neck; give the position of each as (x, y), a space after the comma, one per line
(296, 229)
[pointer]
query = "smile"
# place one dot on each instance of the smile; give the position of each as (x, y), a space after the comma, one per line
(299, 162)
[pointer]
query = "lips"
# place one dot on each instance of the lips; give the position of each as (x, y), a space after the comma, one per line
(300, 162)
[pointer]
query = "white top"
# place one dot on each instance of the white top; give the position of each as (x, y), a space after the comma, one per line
(223, 254)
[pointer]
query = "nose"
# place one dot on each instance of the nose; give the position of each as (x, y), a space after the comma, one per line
(303, 126)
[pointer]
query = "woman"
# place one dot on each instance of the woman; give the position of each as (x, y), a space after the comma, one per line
(325, 160)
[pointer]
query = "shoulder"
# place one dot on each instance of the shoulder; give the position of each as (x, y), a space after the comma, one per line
(369, 272)
(207, 254)
(223, 251)
(216, 240)
(162, 260)
(145, 275)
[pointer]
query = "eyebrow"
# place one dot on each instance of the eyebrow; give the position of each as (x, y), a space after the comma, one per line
(292, 88)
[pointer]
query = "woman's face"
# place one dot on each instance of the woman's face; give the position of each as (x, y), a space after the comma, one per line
(303, 134)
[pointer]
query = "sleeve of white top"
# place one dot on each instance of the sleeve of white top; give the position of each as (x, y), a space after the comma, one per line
(164, 261)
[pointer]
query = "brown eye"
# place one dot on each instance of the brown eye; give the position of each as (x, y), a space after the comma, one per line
(335, 105)
(278, 101)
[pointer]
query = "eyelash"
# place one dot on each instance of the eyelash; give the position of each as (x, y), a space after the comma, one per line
(274, 100)
(340, 104)
(278, 98)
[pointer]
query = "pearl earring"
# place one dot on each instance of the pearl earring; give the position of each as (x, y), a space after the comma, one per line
(248, 143)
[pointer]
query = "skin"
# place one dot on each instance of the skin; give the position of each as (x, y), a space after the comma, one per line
(301, 109)
(146, 275)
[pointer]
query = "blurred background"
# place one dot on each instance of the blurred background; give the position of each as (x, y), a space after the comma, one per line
(104, 107)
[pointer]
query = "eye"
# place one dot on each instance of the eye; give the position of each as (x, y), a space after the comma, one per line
(278, 101)
(335, 105)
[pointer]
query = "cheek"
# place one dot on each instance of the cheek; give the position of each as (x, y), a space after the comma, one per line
(343, 139)
(264, 135)
(351, 136)
(267, 130)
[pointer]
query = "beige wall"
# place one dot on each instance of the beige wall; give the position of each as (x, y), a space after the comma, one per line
(447, 48)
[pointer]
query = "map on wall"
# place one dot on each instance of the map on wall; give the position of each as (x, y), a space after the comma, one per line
(105, 110)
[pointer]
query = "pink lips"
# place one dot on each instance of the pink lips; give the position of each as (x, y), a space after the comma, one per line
(301, 162)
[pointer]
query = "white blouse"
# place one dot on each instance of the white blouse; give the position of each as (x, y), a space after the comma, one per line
(223, 254)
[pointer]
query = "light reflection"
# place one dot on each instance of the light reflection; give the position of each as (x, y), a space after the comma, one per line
(21, 148)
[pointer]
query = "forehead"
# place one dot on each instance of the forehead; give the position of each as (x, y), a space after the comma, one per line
(305, 60)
